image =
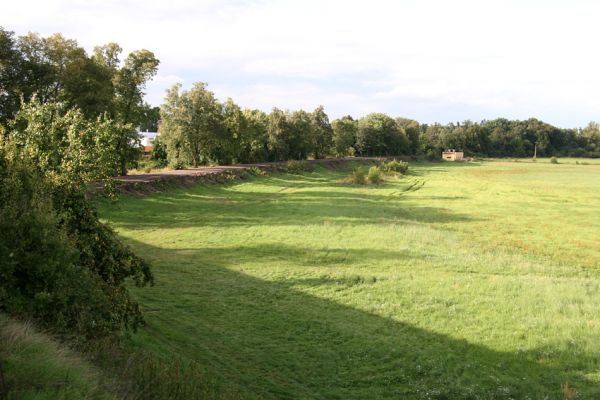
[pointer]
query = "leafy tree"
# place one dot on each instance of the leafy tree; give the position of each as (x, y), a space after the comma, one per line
(149, 118)
(322, 133)
(345, 130)
(192, 126)
(235, 127)
(129, 82)
(11, 76)
(255, 139)
(278, 132)
(58, 262)
(378, 134)
(413, 132)
(591, 135)
(300, 135)
(57, 69)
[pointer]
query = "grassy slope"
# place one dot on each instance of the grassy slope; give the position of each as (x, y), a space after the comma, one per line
(36, 367)
(458, 281)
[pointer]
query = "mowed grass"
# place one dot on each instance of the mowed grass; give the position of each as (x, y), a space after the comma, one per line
(475, 281)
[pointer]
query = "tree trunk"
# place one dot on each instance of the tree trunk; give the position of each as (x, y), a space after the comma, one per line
(123, 166)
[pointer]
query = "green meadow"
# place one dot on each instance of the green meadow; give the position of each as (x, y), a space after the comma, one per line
(455, 281)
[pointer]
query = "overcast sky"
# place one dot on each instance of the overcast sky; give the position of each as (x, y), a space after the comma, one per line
(428, 60)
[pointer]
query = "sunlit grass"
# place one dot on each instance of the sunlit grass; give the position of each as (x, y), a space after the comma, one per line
(456, 281)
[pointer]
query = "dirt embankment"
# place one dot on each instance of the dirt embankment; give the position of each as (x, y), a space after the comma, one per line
(143, 184)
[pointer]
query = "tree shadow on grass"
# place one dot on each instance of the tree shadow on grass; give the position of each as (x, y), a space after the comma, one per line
(273, 340)
(221, 206)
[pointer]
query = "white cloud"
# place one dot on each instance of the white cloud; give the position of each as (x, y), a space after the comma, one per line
(437, 59)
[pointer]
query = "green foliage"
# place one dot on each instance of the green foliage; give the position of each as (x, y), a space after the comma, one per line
(254, 139)
(65, 147)
(396, 166)
(193, 128)
(322, 133)
(344, 136)
(60, 265)
(55, 69)
(553, 160)
(177, 164)
(149, 117)
(358, 176)
(379, 134)
(159, 152)
(374, 175)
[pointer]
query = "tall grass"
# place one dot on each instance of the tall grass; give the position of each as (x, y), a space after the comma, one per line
(35, 366)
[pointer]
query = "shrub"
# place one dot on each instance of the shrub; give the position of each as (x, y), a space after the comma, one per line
(58, 263)
(374, 175)
(396, 166)
(177, 164)
(553, 160)
(159, 152)
(358, 176)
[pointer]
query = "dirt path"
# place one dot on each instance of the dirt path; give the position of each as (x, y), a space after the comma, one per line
(154, 182)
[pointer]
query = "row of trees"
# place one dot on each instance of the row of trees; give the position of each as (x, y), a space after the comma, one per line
(511, 138)
(55, 69)
(196, 129)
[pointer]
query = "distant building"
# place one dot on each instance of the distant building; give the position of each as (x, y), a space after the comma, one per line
(147, 138)
(452, 155)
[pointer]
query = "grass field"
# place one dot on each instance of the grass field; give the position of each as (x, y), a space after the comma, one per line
(460, 280)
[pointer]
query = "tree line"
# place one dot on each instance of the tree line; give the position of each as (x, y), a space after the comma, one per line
(197, 129)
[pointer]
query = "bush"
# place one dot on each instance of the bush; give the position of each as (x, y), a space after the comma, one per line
(159, 153)
(374, 175)
(396, 166)
(177, 164)
(553, 160)
(58, 263)
(358, 177)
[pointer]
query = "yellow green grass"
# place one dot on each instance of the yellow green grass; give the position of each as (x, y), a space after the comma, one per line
(37, 367)
(459, 280)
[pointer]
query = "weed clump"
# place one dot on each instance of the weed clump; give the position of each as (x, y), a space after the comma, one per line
(257, 171)
(358, 176)
(375, 176)
(553, 160)
(396, 166)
